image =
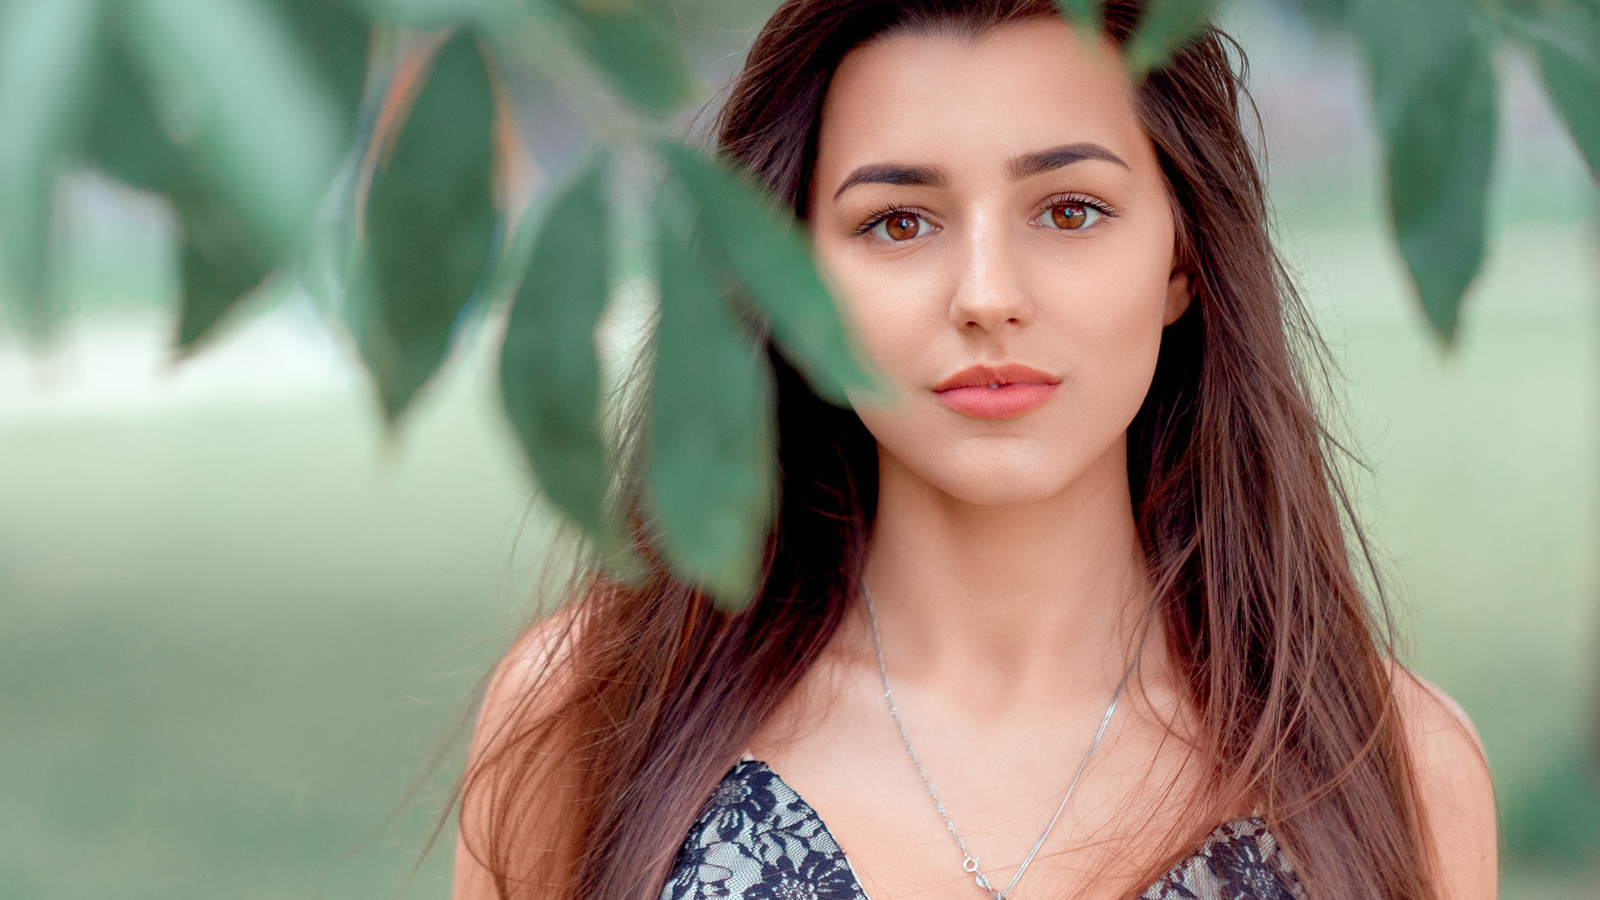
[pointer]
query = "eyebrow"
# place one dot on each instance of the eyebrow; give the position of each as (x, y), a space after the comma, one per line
(1029, 164)
(1020, 167)
(931, 176)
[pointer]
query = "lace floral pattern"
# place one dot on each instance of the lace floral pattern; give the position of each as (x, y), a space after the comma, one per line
(1239, 861)
(757, 840)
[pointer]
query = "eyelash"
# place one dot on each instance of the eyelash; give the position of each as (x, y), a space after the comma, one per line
(1100, 206)
(878, 215)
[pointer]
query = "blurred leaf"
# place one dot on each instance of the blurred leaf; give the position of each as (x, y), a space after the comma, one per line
(337, 35)
(1556, 821)
(221, 262)
(1434, 93)
(231, 79)
(1325, 14)
(430, 15)
(126, 137)
(430, 225)
(1566, 42)
(711, 439)
(132, 138)
(1164, 27)
(394, 64)
(221, 258)
(1083, 12)
(549, 377)
(774, 263)
(46, 60)
(637, 48)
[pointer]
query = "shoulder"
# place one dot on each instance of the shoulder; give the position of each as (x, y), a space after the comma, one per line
(519, 718)
(526, 688)
(1451, 773)
(530, 672)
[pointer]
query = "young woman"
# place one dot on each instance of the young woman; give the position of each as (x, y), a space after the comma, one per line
(1072, 612)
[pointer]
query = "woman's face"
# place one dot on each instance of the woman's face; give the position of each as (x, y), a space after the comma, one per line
(997, 224)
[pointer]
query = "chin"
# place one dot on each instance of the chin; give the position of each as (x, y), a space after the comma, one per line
(1000, 485)
(1002, 493)
(1006, 473)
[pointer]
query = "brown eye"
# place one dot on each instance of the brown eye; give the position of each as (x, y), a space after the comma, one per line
(1069, 216)
(901, 227)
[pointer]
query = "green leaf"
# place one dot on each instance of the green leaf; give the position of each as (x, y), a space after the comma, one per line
(221, 257)
(711, 436)
(637, 48)
(337, 36)
(231, 79)
(221, 262)
(343, 40)
(431, 15)
(46, 57)
(549, 377)
(1164, 27)
(126, 138)
(1326, 14)
(1566, 42)
(1434, 93)
(772, 259)
(1084, 13)
(430, 225)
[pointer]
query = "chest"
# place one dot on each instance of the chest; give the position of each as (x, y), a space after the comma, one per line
(758, 840)
(1000, 780)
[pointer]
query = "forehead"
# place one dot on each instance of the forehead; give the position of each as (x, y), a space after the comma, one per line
(953, 99)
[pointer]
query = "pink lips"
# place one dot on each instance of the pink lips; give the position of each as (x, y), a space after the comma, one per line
(996, 392)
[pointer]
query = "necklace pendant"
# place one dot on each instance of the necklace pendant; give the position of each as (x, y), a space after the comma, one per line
(970, 863)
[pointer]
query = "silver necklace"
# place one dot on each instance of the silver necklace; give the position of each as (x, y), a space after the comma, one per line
(969, 862)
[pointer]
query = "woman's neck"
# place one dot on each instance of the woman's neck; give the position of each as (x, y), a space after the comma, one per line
(1016, 594)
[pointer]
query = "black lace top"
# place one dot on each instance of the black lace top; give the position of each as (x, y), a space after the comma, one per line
(757, 840)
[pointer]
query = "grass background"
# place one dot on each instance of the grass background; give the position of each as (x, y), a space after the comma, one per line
(239, 623)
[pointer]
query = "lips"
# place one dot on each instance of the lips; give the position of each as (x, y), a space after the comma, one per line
(996, 392)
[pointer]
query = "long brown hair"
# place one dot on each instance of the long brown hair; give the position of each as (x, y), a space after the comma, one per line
(650, 693)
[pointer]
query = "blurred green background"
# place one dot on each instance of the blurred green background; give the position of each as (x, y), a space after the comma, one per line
(240, 625)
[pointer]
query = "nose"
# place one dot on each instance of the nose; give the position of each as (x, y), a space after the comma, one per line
(989, 294)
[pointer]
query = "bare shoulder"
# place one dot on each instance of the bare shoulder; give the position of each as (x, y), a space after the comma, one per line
(1452, 777)
(525, 684)
(532, 661)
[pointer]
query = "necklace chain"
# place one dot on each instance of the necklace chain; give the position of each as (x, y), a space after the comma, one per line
(969, 862)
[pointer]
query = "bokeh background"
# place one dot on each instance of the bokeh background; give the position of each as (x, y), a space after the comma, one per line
(240, 623)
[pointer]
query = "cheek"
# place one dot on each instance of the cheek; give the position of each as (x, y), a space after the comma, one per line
(885, 317)
(1128, 361)
(1107, 304)
(893, 306)
(1117, 332)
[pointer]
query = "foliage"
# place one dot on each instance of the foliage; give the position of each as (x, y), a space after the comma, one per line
(1434, 100)
(366, 149)
(1566, 42)
(551, 383)
(430, 222)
